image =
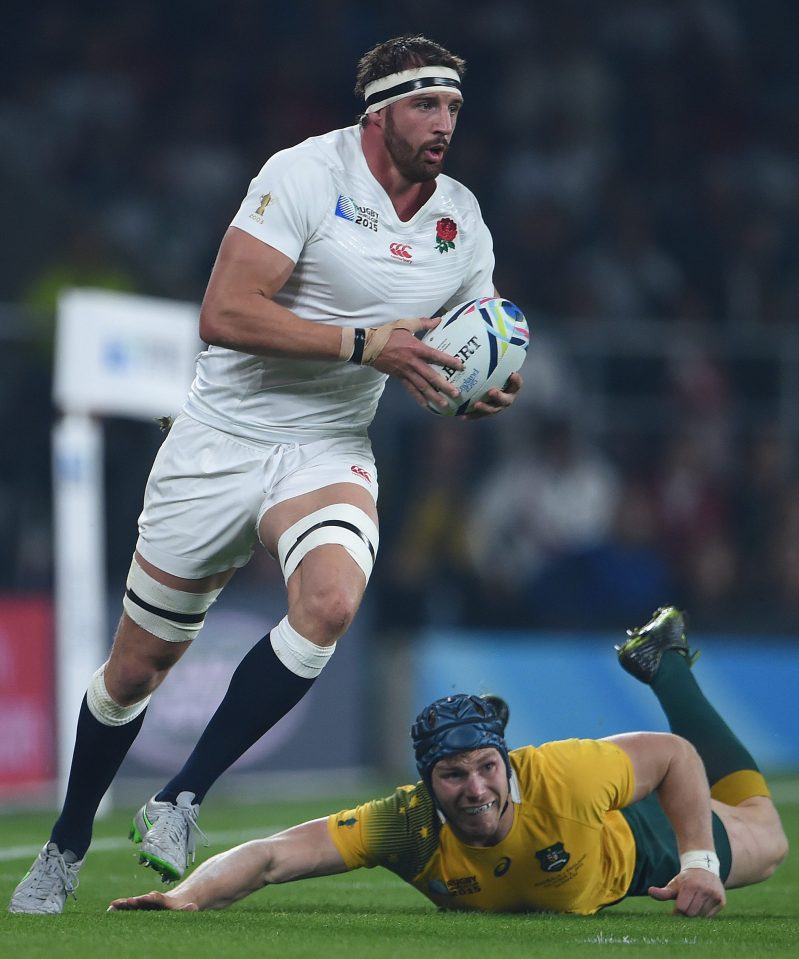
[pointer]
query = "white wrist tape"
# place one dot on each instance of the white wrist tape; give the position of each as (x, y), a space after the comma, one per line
(700, 859)
(362, 346)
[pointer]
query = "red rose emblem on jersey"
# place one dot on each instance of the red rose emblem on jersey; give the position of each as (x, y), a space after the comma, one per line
(446, 231)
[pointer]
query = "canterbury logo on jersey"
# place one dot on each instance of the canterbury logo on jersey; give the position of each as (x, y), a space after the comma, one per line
(353, 212)
(401, 251)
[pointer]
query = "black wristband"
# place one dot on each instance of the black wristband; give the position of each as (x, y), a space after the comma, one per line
(357, 349)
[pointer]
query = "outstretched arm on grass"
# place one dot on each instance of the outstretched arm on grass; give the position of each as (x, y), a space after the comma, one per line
(302, 852)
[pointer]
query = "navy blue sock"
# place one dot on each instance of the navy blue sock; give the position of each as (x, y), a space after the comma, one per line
(98, 754)
(261, 691)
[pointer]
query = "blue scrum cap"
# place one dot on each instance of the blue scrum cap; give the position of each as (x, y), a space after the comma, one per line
(458, 724)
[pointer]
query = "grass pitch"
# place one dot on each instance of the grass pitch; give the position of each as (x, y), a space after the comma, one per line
(368, 913)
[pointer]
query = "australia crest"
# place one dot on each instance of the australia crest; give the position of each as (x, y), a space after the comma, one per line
(553, 858)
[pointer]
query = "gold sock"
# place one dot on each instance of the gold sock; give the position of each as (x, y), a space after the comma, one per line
(740, 785)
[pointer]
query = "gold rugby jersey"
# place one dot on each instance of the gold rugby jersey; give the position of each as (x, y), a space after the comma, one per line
(569, 848)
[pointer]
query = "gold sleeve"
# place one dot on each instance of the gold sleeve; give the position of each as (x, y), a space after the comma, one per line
(584, 778)
(399, 832)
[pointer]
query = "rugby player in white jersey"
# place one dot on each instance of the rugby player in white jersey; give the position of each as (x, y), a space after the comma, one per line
(343, 248)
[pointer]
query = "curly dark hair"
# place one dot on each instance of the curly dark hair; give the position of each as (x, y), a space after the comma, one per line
(401, 53)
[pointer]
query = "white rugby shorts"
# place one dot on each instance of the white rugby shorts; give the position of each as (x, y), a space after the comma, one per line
(208, 489)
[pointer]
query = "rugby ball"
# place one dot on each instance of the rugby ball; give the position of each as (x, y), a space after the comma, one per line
(491, 336)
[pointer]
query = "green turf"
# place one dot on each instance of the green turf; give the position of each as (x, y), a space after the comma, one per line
(368, 913)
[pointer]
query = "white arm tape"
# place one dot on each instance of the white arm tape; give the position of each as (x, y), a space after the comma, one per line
(700, 859)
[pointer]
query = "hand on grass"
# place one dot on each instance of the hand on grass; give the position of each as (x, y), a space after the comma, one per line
(152, 900)
(696, 892)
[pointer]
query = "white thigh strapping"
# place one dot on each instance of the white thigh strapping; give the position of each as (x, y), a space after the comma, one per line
(342, 524)
(168, 613)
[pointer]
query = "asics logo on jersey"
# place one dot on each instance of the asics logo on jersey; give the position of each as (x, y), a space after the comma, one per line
(401, 250)
(353, 212)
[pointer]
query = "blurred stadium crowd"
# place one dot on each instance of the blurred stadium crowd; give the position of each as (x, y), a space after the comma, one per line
(636, 161)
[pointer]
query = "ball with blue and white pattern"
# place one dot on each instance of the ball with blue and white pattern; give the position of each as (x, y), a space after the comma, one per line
(490, 335)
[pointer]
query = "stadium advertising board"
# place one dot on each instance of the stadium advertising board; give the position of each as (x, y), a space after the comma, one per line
(27, 743)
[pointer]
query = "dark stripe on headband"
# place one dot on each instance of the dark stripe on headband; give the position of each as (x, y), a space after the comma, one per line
(165, 613)
(410, 85)
(331, 522)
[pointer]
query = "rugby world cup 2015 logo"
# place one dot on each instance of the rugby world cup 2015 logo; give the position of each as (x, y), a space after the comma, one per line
(346, 208)
(353, 212)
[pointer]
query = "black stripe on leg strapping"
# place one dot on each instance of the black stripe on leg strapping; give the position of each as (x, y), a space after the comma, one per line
(331, 522)
(188, 618)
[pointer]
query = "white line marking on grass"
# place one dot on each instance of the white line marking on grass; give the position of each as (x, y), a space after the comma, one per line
(603, 940)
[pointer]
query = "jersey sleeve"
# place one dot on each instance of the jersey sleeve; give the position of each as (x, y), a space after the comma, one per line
(287, 200)
(587, 777)
(399, 832)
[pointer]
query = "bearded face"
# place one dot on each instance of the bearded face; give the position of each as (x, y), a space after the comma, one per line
(418, 158)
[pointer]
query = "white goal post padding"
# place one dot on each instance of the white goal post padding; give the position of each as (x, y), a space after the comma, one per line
(121, 355)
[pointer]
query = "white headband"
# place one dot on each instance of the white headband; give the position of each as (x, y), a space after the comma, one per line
(379, 93)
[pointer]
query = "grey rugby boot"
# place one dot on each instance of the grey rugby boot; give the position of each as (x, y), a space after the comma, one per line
(48, 882)
(640, 655)
(167, 833)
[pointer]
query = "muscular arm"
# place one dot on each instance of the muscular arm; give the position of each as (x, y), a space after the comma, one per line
(303, 852)
(238, 312)
(671, 767)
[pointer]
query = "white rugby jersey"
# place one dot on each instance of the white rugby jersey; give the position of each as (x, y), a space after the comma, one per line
(356, 264)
